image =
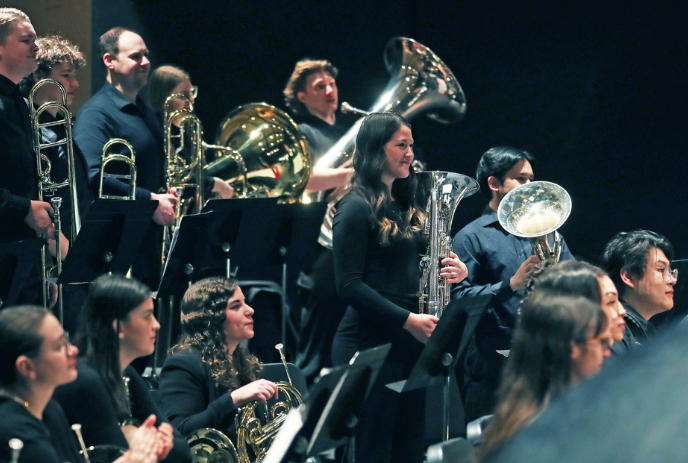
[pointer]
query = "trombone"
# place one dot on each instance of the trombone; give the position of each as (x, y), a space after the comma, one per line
(46, 186)
(128, 160)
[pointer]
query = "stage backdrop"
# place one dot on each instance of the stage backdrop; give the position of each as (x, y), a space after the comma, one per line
(595, 90)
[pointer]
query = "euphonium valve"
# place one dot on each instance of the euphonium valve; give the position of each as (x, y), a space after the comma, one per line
(536, 210)
(441, 192)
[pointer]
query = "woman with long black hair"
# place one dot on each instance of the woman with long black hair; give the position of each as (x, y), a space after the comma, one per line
(377, 248)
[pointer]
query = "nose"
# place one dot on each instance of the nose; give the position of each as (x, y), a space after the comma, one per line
(73, 350)
(75, 84)
(145, 61)
(622, 310)
(329, 89)
(156, 324)
(249, 310)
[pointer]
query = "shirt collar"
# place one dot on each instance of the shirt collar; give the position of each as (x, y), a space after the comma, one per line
(120, 99)
(488, 218)
(635, 316)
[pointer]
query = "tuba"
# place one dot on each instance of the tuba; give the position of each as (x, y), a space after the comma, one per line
(535, 211)
(441, 192)
(256, 428)
(46, 186)
(273, 153)
(421, 84)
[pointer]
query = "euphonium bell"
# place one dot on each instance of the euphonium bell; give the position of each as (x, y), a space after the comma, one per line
(441, 193)
(535, 211)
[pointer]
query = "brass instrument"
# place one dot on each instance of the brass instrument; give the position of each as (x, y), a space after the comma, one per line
(535, 211)
(420, 84)
(129, 162)
(129, 420)
(441, 192)
(47, 187)
(99, 453)
(253, 435)
(273, 151)
(16, 446)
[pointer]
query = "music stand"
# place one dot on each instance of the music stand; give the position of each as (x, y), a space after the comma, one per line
(224, 229)
(328, 417)
(17, 261)
(109, 239)
(447, 343)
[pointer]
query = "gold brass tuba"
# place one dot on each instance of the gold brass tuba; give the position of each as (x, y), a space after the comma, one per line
(46, 186)
(274, 153)
(536, 210)
(441, 192)
(129, 162)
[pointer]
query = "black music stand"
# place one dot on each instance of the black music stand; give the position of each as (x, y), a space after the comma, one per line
(328, 417)
(224, 229)
(447, 344)
(17, 261)
(109, 239)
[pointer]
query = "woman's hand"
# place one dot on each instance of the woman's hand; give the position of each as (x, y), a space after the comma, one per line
(421, 326)
(454, 271)
(143, 443)
(165, 434)
(260, 390)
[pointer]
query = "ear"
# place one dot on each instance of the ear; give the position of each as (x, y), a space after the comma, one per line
(575, 351)
(493, 183)
(627, 278)
(108, 59)
(25, 367)
(301, 96)
(120, 333)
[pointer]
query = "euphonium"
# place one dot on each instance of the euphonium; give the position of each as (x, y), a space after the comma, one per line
(109, 158)
(273, 153)
(46, 186)
(441, 192)
(536, 210)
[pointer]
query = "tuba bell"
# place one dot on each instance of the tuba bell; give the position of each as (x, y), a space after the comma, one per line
(535, 211)
(441, 192)
(273, 152)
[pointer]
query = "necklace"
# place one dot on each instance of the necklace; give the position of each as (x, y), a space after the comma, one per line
(14, 397)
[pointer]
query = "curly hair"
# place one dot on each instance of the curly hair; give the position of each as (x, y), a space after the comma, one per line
(297, 82)
(203, 318)
(370, 161)
(52, 51)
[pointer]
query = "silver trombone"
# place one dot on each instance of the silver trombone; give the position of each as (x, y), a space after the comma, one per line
(47, 187)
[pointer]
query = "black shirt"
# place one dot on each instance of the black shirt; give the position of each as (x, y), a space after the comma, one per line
(110, 114)
(320, 135)
(637, 333)
(49, 440)
(18, 184)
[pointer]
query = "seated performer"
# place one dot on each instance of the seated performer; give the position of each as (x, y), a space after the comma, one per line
(639, 263)
(117, 326)
(165, 81)
(558, 341)
(36, 357)
(378, 244)
(574, 278)
(498, 264)
(208, 375)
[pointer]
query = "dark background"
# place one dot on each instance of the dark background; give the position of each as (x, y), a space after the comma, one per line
(596, 90)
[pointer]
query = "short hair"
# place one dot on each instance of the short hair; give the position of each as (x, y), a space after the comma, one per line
(297, 82)
(19, 335)
(8, 17)
(161, 83)
(629, 250)
(109, 41)
(52, 51)
(497, 162)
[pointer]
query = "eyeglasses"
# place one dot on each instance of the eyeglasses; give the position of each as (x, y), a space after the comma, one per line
(66, 341)
(668, 274)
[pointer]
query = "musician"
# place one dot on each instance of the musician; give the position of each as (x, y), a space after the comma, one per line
(36, 357)
(59, 59)
(312, 95)
(574, 278)
(639, 263)
(557, 342)
(498, 264)
(165, 81)
(117, 111)
(117, 326)
(377, 247)
(208, 374)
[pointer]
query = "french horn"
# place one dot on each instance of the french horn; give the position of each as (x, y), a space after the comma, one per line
(535, 211)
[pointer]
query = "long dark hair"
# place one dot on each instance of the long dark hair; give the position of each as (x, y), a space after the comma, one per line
(203, 320)
(370, 162)
(571, 278)
(110, 301)
(19, 335)
(540, 367)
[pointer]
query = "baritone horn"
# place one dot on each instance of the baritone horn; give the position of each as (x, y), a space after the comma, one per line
(110, 158)
(441, 193)
(535, 211)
